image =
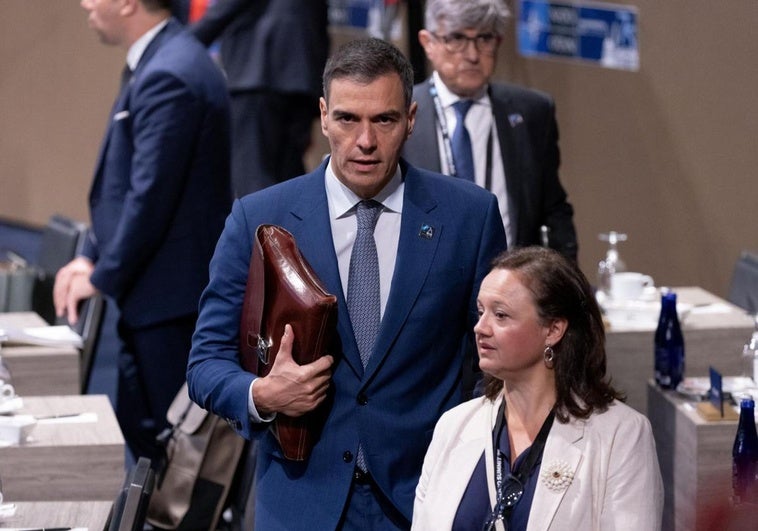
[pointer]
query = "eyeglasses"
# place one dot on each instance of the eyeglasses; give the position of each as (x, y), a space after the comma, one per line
(457, 42)
(512, 492)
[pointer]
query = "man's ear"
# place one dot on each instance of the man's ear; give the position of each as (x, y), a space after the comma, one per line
(128, 7)
(324, 114)
(424, 38)
(411, 118)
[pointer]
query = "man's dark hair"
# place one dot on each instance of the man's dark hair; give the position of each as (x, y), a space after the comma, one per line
(364, 60)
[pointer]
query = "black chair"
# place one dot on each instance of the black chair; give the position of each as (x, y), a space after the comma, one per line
(62, 239)
(91, 314)
(19, 238)
(129, 509)
(19, 247)
(743, 290)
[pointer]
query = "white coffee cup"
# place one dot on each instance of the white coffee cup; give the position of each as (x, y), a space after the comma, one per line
(629, 286)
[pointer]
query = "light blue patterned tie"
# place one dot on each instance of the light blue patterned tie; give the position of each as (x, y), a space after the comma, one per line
(461, 142)
(363, 299)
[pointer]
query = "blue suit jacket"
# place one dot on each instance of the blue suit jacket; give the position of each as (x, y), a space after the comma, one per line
(161, 189)
(413, 375)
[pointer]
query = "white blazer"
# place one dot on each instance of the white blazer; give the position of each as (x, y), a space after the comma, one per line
(616, 481)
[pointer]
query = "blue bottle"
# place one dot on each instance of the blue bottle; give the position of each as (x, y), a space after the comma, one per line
(669, 344)
(745, 456)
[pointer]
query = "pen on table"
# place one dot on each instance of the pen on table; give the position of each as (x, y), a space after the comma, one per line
(45, 529)
(61, 416)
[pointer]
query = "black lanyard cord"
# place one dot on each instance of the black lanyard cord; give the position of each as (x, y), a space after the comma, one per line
(525, 466)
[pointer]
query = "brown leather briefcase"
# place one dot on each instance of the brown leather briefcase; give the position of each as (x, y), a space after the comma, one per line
(283, 288)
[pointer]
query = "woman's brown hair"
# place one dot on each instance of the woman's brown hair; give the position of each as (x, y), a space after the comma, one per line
(561, 291)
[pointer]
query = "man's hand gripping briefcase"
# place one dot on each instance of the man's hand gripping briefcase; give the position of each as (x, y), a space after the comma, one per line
(283, 288)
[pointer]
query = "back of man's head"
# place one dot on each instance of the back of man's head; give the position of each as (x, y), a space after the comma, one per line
(364, 60)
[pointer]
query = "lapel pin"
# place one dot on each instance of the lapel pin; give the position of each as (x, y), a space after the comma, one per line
(426, 231)
(515, 119)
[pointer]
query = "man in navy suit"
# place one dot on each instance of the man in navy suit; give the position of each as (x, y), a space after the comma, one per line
(435, 237)
(160, 195)
(273, 53)
(513, 130)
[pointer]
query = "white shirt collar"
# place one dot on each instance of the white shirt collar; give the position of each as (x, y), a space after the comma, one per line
(140, 45)
(447, 98)
(342, 199)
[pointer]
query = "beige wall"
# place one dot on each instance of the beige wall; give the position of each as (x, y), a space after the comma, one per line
(667, 154)
(57, 83)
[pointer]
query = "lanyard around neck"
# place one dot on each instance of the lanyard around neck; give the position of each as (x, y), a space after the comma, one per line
(446, 143)
(526, 465)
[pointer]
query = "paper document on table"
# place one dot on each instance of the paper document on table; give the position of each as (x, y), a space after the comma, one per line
(61, 335)
(714, 308)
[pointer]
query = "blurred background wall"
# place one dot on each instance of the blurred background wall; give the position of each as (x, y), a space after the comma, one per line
(667, 154)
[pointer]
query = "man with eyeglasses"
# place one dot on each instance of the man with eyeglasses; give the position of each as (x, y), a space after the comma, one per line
(507, 141)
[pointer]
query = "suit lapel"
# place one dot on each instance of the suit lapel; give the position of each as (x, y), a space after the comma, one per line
(121, 104)
(313, 233)
(511, 146)
(415, 255)
(464, 456)
(422, 148)
(564, 444)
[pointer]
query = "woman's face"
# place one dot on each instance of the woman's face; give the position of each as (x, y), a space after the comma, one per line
(510, 337)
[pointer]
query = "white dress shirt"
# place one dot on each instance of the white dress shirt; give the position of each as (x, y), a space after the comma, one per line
(480, 125)
(140, 45)
(342, 204)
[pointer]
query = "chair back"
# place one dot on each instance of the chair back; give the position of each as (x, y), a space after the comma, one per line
(130, 506)
(743, 290)
(91, 315)
(62, 239)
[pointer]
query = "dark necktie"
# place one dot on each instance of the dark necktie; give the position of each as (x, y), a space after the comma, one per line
(126, 75)
(461, 142)
(363, 298)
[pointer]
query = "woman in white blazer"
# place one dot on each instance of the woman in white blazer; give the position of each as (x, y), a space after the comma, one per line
(549, 446)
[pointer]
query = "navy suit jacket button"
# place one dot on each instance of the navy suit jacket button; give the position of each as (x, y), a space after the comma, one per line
(362, 399)
(347, 457)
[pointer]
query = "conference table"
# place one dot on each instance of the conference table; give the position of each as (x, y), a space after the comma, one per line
(714, 333)
(695, 456)
(42, 369)
(88, 514)
(74, 452)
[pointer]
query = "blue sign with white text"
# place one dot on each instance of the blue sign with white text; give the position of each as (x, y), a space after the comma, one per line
(604, 34)
(350, 13)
